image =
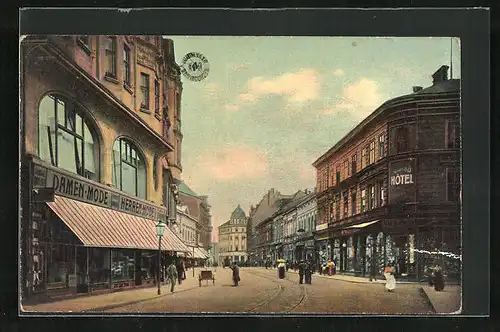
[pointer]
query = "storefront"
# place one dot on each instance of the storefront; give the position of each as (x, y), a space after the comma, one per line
(88, 237)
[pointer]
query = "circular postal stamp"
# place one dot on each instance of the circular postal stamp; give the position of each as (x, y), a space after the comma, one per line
(195, 66)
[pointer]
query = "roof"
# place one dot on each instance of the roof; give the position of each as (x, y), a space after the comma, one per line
(238, 213)
(268, 206)
(183, 188)
(443, 87)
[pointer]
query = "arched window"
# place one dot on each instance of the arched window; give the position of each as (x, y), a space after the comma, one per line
(129, 168)
(65, 138)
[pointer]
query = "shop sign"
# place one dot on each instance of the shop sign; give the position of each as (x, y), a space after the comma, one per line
(402, 175)
(321, 226)
(145, 55)
(402, 181)
(96, 194)
(350, 231)
(402, 223)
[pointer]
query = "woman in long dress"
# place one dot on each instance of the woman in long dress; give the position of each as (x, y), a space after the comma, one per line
(390, 283)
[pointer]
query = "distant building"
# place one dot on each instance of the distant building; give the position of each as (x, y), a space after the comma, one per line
(233, 238)
(199, 209)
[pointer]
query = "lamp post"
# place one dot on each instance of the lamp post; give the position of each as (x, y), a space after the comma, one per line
(160, 228)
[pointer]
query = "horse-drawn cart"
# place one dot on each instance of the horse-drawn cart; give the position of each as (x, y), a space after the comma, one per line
(206, 275)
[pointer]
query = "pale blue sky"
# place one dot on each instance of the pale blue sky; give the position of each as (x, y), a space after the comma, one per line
(271, 105)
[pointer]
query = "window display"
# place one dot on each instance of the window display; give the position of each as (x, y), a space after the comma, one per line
(122, 265)
(99, 266)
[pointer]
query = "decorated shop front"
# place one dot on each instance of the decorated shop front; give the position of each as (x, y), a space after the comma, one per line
(87, 237)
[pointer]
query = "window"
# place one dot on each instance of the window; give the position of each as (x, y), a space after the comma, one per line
(363, 158)
(353, 203)
(371, 192)
(363, 200)
(401, 139)
(157, 98)
(381, 190)
(450, 134)
(353, 165)
(372, 153)
(178, 150)
(452, 185)
(129, 169)
(337, 207)
(110, 56)
(155, 171)
(381, 146)
(346, 204)
(347, 171)
(126, 65)
(337, 175)
(367, 155)
(178, 110)
(145, 91)
(65, 138)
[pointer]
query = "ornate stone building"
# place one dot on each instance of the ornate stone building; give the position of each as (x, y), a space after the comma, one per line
(233, 238)
(101, 142)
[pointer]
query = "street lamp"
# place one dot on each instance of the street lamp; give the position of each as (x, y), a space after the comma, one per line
(160, 228)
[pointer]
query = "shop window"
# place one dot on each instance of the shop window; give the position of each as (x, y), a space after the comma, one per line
(129, 168)
(381, 146)
(144, 91)
(346, 204)
(402, 139)
(372, 153)
(99, 266)
(126, 65)
(363, 200)
(60, 266)
(110, 57)
(452, 185)
(66, 138)
(122, 265)
(450, 134)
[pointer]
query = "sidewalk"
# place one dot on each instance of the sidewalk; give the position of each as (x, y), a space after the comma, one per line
(447, 301)
(110, 300)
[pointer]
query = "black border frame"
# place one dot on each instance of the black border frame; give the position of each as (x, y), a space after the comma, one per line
(471, 25)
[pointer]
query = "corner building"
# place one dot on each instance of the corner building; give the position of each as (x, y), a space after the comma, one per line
(101, 154)
(389, 191)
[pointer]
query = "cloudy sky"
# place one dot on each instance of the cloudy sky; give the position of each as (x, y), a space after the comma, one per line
(271, 106)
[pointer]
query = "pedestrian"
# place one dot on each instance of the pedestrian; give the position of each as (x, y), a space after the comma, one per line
(236, 273)
(180, 272)
(301, 272)
(281, 268)
(330, 265)
(172, 275)
(308, 271)
(438, 279)
(390, 283)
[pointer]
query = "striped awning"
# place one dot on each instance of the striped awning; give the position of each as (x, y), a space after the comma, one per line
(96, 226)
(197, 252)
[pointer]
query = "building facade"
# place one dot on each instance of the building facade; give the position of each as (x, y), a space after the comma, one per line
(260, 227)
(389, 190)
(233, 238)
(98, 160)
(200, 210)
(186, 226)
(307, 214)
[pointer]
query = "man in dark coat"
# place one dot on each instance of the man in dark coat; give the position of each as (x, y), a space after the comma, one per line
(180, 271)
(438, 279)
(301, 272)
(236, 273)
(308, 271)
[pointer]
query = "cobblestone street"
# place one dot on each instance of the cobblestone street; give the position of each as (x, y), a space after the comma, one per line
(260, 291)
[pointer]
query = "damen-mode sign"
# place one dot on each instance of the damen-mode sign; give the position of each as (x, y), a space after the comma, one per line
(86, 191)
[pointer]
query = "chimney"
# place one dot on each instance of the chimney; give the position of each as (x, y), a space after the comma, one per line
(440, 75)
(417, 89)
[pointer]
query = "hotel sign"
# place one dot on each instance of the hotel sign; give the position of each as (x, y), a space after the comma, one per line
(402, 181)
(94, 193)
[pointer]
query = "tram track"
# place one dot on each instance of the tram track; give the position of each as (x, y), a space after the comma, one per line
(278, 293)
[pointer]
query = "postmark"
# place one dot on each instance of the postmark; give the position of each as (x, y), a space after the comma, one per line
(195, 66)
